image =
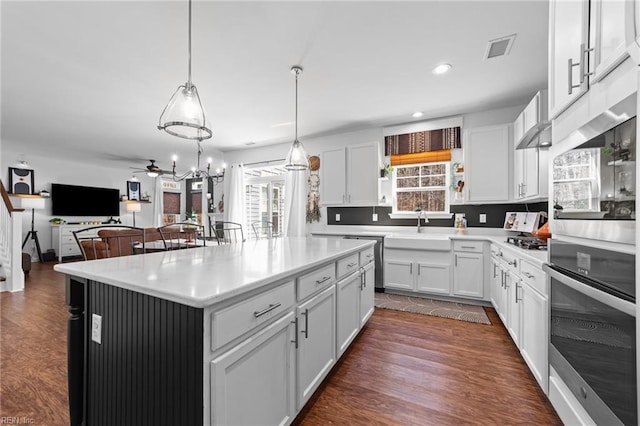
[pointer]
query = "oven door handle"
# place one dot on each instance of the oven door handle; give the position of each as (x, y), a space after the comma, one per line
(606, 298)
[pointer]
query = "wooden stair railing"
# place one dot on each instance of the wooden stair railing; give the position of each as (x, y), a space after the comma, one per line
(11, 276)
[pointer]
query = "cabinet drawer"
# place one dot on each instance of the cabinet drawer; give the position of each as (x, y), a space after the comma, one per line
(496, 252)
(534, 276)
(348, 265)
(316, 280)
(235, 320)
(511, 261)
(70, 249)
(367, 256)
(469, 246)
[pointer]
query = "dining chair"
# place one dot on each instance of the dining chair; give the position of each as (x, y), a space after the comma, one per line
(105, 241)
(226, 232)
(182, 235)
(263, 229)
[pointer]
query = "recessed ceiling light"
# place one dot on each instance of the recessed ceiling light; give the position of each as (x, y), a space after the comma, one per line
(417, 114)
(441, 69)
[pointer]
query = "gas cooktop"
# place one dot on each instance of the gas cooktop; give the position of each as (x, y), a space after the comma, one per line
(528, 243)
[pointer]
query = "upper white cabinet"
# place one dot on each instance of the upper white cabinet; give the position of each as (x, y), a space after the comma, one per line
(607, 36)
(568, 40)
(530, 171)
(587, 40)
(349, 176)
(487, 159)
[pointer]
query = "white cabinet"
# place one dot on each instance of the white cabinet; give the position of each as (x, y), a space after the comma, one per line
(514, 307)
(349, 175)
(487, 163)
(530, 172)
(316, 342)
(367, 293)
(64, 242)
(535, 332)
(432, 278)
(568, 42)
(496, 284)
(348, 316)
(268, 355)
(607, 36)
(423, 271)
(468, 268)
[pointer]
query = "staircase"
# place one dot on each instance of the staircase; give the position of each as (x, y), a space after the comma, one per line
(11, 275)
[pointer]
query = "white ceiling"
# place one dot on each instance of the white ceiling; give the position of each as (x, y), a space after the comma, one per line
(90, 79)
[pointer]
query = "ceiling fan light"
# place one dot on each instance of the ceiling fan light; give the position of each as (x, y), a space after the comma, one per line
(184, 115)
(297, 157)
(153, 174)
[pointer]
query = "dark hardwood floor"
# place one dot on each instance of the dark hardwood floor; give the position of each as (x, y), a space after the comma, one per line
(404, 369)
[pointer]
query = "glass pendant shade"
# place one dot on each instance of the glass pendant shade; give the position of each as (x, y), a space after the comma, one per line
(297, 157)
(184, 115)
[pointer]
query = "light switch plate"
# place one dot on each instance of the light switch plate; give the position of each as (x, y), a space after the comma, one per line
(375, 217)
(337, 217)
(96, 328)
(483, 218)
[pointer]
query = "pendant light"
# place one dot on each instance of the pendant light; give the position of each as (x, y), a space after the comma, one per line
(297, 157)
(184, 115)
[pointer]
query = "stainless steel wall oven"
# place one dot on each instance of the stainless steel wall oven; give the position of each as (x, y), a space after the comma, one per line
(593, 329)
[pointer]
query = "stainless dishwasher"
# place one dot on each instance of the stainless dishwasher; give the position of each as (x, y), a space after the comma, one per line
(378, 252)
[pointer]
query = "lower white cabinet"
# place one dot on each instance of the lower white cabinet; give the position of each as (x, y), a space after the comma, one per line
(348, 302)
(496, 284)
(535, 333)
(268, 355)
(399, 274)
(423, 271)
(316, 342)
(367, 293)
(432, 278)
(468, 273)
(512, 284)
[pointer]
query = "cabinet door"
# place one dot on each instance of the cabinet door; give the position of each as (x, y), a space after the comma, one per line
(496, 285)
(519, 172)
(503, 302)
(512, 283)
(531, 114)
(468, 273)
(367, 293)
(607, 36)
(531, 171)
(433, 278)
(535, 333)
(316, 342)
(568, 31)
(362, 178)
(518, 128)
(348, 301)
(333, 177)
(258, 373)
(488, 153)
(398, 274)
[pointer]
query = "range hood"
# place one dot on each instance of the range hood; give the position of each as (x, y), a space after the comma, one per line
(532, 128)
(537, 136)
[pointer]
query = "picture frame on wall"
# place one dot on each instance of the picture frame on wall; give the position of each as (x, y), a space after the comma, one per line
(133, 190)
(21, 181)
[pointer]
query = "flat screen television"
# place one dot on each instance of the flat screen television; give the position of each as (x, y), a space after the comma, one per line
(73, 200)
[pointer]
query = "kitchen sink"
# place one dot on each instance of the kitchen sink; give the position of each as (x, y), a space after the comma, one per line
(418, 242)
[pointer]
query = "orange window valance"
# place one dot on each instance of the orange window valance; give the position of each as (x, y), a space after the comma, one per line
(421, 157)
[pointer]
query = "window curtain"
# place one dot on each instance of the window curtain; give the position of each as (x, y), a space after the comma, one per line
(235, 197)
(158, 204)
(295, 199)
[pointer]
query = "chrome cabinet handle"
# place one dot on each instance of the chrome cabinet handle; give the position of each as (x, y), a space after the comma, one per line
(295, 340)
(411, 268)
(570, 66)
(502, 279)
(512, 263)
(495, 273)
(362, 279)
(323, 280)
(455, 260)
(585, 62)
(528, 275)
(306, 324)
(269, 309)
(351, 265)
(517, 299)
(467, 247)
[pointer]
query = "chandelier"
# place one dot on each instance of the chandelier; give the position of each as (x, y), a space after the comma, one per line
(184, 115)
(199, 172)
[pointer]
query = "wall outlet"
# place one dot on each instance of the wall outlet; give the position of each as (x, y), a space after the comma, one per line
(459, 216)
(483, 218)
(375, 217)
(337, 217)
(96, 328)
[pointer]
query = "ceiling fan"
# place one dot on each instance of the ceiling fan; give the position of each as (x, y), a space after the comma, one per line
(152, 170)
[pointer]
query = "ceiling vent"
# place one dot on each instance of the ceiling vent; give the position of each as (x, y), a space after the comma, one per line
(499, 47)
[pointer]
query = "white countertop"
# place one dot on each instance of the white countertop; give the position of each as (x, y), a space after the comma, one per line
(435, 234)
(202, 276)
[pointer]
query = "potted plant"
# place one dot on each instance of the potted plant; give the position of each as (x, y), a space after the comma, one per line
(386, 170)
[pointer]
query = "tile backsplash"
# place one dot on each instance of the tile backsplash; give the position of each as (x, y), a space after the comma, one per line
(495, 214)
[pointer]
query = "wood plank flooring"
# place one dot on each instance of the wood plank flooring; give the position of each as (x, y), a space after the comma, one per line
(404, 368)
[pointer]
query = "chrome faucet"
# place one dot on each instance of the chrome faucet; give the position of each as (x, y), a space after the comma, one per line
(421, 215)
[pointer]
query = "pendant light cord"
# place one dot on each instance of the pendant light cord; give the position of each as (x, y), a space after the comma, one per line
(296, 138)
(189, 82)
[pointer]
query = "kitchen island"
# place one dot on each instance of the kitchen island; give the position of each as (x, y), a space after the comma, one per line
(234, 334)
